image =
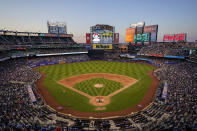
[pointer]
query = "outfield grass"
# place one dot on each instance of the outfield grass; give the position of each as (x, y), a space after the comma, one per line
(124, 99)
(109, 86)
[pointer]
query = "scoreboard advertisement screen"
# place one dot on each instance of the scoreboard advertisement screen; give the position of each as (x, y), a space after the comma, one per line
(102, 46)
(102, 34)
(142, 37)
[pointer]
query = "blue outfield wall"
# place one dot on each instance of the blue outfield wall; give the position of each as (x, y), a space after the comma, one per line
(74, 60)
(176, 57)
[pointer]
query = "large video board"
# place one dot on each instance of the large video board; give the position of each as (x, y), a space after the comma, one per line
(142, 37)
(102, 34)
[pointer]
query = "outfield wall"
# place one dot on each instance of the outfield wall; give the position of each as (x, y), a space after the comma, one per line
(70, 60)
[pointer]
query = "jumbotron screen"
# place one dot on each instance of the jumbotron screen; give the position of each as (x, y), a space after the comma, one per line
(102, 34)
(142, 37)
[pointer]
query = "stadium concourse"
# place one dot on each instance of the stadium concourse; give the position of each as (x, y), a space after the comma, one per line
(23, 108)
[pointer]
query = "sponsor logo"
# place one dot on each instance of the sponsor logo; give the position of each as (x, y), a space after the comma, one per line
(175, 37)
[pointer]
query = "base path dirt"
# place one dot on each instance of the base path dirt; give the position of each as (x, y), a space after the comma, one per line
(147, 99)
(71, 81)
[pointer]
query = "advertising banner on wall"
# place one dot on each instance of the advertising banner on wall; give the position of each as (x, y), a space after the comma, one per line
(130, 34)
(88, 41)
(116, 38)
(102, 46)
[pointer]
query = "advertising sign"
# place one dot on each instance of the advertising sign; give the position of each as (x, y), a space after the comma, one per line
(175, 37)
(96, 38)
(102, 46)
(165, 90)
(150, 28)
(142, 37)
(107, 39)
(153, 29)
(130, 33)
(140, 24)
(133, 25)
(88, 38)
(53, 29)
(153, 37)
(107, 34)
(116, 38)
(62, 30)
(102, 27)
(139, 30)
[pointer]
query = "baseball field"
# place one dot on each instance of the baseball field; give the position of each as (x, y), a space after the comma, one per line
(96, 86)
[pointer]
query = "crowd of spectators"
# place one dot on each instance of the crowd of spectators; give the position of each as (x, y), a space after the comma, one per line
(172, 49)
(29, 40)
(17, 111)
(59, 50)
(181, 95)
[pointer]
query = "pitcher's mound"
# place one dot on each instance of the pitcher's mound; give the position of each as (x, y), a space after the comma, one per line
(98, 85)
(100, 100)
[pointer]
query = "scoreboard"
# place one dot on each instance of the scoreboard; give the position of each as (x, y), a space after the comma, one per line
(103, 34)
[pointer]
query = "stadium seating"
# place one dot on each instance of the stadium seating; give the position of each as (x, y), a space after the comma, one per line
(17, 111)
(178, 111)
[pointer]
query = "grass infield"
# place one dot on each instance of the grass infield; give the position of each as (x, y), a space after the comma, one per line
(88, 86)
(73, 100)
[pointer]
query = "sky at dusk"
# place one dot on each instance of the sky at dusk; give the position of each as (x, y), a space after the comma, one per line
(172, 16)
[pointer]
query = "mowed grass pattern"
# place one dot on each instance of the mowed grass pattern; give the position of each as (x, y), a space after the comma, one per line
(71, 99)
(88, 86)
